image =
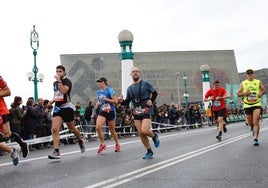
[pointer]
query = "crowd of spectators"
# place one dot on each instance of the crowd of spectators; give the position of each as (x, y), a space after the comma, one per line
(34, 119)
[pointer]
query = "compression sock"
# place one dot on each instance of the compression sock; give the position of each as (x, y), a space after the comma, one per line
(17, 138)
(149, 150)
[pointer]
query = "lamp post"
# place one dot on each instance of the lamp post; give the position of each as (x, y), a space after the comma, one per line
(179, 99)
(231, 102)
(32, 76)
(185, 94)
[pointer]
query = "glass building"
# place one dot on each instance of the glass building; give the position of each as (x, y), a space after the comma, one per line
(165, 70)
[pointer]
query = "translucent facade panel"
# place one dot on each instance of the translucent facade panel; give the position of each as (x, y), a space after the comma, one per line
(159, 68)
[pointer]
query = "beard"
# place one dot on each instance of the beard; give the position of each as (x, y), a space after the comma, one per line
(136, 79)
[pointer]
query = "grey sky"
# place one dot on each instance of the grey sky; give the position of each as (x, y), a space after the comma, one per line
(86, 26)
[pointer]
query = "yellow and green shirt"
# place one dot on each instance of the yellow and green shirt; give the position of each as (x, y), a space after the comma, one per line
(253, 99)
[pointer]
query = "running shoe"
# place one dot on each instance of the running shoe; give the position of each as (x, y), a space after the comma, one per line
(25, 149)
(102, 147)
(148, 155)
(224, 128)
(219, 138)
(15, 156)
(117, 148)
(54, 155)
(156, 140)
(82, 145)
(256, 142)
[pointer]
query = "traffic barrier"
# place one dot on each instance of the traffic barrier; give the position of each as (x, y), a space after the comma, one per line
(64, 134)
(159, 127)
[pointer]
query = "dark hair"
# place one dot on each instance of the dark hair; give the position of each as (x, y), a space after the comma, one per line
(46, 101)
(30, 102)
(61, 67)
(17, 100)
(216, 82)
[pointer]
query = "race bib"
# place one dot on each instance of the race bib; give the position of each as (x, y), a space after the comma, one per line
(106, 107)
(138, 110)
(252, 97)
(217, 103)
(58, 96)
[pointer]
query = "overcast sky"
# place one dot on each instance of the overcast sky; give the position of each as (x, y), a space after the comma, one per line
(87, 26)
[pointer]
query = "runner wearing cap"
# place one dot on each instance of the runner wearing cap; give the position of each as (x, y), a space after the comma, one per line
(106, 113)
(251, 90)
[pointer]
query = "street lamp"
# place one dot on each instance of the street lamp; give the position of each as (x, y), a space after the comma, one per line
(185, 94)
(32, 76)
(179, 99)
(231, 103)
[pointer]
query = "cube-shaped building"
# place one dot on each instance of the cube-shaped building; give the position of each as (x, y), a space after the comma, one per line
(166, 71)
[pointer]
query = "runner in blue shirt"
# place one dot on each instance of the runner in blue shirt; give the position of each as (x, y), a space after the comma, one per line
(106, 104)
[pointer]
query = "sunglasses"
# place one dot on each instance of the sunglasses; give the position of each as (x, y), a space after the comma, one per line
(249, 73)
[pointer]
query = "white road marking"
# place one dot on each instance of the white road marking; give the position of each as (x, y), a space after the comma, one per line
(119, 180)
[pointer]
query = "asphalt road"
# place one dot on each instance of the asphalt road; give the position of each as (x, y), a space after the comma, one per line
(187, 158)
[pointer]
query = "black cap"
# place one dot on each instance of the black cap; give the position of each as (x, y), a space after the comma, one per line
(102, 79)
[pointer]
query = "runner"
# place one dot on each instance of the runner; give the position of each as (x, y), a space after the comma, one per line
(142, 95)
(218, 95)
(107, 100)
(63, 111)
(251, 90)
(5, 126)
